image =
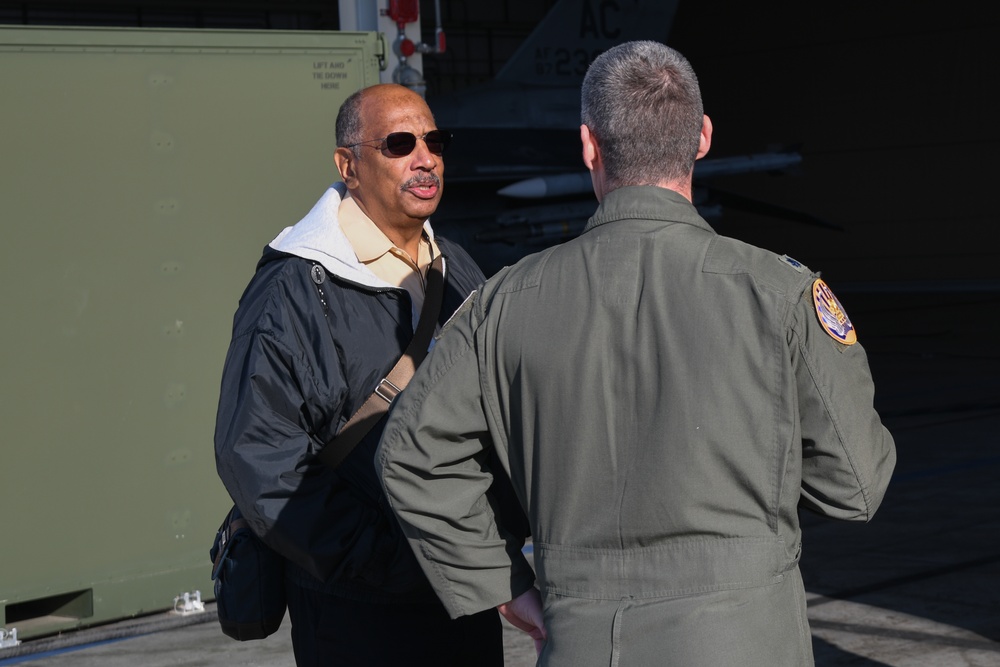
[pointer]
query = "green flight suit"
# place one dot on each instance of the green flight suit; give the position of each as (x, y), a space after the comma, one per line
(664, 399)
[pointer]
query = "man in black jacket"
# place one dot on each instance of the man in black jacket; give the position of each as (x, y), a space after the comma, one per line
(332, 306)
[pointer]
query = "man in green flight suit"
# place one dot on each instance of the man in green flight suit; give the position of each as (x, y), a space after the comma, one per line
(664, 400)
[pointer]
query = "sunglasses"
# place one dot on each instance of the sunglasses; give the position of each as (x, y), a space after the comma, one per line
(401, 144)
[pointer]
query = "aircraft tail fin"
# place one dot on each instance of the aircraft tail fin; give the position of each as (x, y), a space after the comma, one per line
(574, 32)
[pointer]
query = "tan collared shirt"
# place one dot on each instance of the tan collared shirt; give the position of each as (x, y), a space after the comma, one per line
(385, 259)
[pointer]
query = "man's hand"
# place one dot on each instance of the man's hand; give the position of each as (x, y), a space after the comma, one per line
(525, 613)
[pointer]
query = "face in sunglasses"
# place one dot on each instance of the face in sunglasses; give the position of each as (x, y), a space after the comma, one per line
(399, 184)
(401, 144)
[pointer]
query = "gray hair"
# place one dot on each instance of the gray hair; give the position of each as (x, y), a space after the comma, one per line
(349, 122)
(642, 102)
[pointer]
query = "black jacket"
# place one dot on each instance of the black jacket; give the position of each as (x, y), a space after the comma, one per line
(313, 335)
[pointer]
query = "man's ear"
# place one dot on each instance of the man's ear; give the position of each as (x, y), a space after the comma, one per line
(345, 159)
(591, 151)
(705, 142)
(592, 160)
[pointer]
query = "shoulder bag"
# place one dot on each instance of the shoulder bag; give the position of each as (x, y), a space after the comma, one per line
(249, 576)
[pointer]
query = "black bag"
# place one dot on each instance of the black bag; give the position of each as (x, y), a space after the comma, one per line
(249, 581)
(249, 577)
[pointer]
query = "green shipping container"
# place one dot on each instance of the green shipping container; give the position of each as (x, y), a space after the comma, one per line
(141, 173)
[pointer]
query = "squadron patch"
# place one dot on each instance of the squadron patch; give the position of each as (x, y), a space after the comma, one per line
(831, 314)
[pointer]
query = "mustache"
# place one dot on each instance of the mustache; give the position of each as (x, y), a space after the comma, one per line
(420, 180)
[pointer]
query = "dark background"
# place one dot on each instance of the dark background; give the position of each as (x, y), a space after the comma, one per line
(894, 107)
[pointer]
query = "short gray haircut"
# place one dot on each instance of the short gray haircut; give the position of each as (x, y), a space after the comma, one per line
(349, 125)
(642, 102)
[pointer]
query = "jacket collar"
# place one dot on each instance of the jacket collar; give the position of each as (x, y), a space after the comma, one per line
(646, 202)
(318, 237)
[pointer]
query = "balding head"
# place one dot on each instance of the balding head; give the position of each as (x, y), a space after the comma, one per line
(350, 118)
(396, 190)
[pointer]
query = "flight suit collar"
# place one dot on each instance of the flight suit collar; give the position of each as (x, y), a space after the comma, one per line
(646, 202)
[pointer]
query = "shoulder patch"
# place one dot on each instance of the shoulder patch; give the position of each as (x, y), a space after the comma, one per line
(794, 263)
(831, 314)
